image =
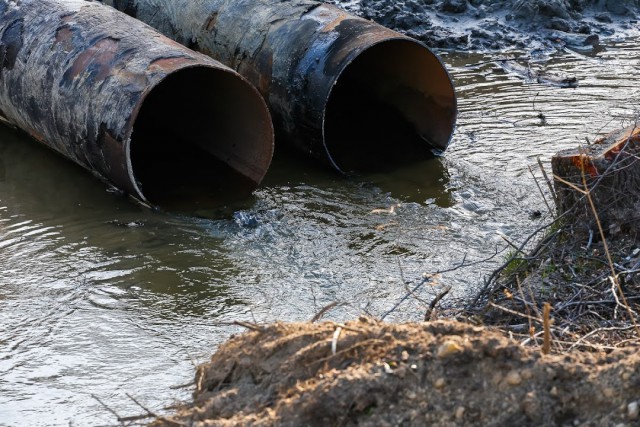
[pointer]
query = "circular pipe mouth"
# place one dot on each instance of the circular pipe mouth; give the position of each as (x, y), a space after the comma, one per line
(202, 137)
(391, 105)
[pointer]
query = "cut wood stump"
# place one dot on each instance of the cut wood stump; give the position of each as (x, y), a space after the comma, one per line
(609, 170)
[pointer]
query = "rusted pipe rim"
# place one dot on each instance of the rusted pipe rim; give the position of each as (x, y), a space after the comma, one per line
(210, 110)
(436, 121)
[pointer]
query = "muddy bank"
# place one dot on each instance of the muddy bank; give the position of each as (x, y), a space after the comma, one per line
(502, 24)
(441, 373)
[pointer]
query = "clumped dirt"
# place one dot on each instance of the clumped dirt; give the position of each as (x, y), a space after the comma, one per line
(500, 24)
(441, 373)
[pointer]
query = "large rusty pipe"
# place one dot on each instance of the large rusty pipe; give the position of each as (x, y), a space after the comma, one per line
(341, 88)
(134, 107)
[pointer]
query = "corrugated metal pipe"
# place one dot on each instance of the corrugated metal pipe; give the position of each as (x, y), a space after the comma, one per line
(341, 88)
(136, 108)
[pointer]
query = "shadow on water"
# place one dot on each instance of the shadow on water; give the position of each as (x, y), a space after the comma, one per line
(420, 179)
(37, 177)
(34, 178)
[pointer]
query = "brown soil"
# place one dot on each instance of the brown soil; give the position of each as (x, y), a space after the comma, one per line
(441, 373)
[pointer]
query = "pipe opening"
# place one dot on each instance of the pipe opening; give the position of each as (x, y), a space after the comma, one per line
(392, 105)
(202, 138)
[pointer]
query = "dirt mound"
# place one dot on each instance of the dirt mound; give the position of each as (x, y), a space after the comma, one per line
(439, 373)
(500, 24)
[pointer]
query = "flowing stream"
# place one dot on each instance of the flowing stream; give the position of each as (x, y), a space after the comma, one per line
(101, 299)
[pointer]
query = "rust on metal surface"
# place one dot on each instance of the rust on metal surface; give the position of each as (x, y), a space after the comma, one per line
(134, 107)
(97, 60)
(341, 88)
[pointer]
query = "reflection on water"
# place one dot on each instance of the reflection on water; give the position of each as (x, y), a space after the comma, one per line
(417, 181)
(102, 297)
(420, 182)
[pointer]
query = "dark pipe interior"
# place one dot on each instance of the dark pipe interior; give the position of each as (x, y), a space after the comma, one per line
(202, 138)
(392, 105)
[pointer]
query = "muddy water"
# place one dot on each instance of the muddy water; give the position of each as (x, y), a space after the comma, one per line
(100, 298)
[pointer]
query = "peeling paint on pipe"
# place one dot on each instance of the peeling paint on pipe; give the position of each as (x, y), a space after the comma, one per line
(134, 107)
(341, 88)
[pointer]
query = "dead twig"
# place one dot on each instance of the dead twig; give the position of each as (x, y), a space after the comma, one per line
(105, 406)
(598, 347)
(544, 198)
(129, 419)
(435, 302)
(513, 245)
(149, 413)
(549, 183)
(334, 340)
(599, 330)
(515, 313)
(526, 306)
(179, 386)
(546, 323)
(404, 298)
(248, 325)
(323, 311)
(365, 343)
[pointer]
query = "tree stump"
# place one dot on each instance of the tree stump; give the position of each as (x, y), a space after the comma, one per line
(609, 170)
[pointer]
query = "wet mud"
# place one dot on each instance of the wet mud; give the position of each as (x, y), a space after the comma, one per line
(503, 24)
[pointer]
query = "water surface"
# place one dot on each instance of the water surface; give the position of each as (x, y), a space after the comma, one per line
(100, 298)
